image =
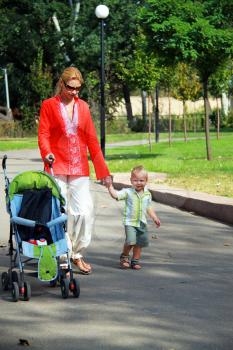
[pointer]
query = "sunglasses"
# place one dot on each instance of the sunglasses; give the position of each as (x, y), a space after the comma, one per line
(72, 88)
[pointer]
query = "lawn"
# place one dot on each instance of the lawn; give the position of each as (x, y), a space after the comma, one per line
(14, 144)
(184, 162)
(112, 138)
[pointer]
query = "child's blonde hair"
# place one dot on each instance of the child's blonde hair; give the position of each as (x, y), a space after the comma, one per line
(139, 169)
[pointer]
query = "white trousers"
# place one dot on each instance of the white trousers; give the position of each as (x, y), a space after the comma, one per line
(80, 211)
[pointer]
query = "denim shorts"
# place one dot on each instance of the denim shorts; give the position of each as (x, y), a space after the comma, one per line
(137, 235)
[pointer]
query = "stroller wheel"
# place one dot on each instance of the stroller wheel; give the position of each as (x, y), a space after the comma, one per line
(53, 283)
(15, 277)
(5, 281)
(26, 291)
(64, 288)
(75, 287)
(15, 291)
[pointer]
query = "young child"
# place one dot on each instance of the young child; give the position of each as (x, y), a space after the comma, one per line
(137, 204)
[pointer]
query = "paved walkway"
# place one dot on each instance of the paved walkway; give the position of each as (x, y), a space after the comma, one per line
(180, 300)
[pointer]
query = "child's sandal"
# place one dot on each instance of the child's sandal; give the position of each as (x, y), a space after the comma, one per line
(135, 265)
(124, 261)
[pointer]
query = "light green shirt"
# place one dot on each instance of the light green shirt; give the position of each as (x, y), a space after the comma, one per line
(136, 205)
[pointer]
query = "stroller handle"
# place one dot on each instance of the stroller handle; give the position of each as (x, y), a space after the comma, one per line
(50, 165)
(51, 158)
(4, 162)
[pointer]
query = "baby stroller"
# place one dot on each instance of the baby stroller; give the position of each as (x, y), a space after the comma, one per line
(37, 233)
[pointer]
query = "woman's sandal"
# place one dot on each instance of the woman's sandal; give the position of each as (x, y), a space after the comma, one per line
(135, 265)
(124, 261)
(82, 268)
(86, 265)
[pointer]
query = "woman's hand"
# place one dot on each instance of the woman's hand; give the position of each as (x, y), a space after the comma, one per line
(49, 159)
(107, 181)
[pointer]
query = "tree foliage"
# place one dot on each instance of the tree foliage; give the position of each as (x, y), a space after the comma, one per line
(143, 70)
(142, 39)
(187, 84)
(27, 29)
(190, 31)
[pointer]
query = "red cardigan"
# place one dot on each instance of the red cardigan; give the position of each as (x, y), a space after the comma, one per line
(70, 150)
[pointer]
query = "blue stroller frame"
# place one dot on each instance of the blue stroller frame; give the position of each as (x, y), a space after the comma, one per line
(23, 248)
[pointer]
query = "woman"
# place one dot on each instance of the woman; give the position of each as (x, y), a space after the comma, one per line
(66, 132)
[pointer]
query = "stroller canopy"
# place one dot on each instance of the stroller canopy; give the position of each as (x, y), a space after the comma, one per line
(34, 180)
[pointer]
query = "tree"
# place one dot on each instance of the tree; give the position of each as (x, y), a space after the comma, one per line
(167, 82)
(26, 27)
(41, 80)
(187, 87)
(120, 23)
(218, 84)
(143, 71)
(190, 32)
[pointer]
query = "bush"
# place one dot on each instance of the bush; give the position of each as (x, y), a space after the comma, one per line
(195, 122)
(117, 126)
(15, 129)
(229, 120)
(214, 118)
(138, 124)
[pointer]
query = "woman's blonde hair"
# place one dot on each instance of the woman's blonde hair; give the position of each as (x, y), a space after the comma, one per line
(68, 74)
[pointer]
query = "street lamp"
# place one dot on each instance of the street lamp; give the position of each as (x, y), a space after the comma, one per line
(6, 88)
(101, 13)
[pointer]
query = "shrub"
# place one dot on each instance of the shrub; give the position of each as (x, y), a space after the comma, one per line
(15, 129)
(214, 117)
(117, 126)
(195, 122)
(138, 124)
(229, 120)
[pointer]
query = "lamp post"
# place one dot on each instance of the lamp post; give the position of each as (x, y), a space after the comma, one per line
(101, 13)
(157, 113)
(6, 88)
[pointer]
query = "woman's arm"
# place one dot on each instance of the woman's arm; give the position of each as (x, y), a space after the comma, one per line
(44, 131)
(96, 155)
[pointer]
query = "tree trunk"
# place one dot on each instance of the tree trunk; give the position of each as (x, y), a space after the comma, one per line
(144, 109)
(218, 120)
(207, 127)
(128, 105)
(150, 118)
(157, 113)
(194, 119)
(185, 124)
(170, 119)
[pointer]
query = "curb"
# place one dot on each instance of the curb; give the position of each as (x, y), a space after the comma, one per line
(209, 206)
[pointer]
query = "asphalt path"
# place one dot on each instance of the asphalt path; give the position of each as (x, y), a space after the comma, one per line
(182, 299)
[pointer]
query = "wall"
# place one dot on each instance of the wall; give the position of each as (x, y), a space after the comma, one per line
(176, 106)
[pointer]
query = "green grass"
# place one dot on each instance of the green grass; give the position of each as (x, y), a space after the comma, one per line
(184, 162)
(112, 138)
(14, 144)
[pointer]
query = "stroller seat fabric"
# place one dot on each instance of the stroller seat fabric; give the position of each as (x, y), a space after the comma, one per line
(36, 205)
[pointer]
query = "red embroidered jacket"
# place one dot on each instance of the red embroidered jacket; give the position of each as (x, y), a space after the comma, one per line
(68, 140)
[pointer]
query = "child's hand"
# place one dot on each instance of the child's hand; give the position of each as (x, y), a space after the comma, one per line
(157, 222)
